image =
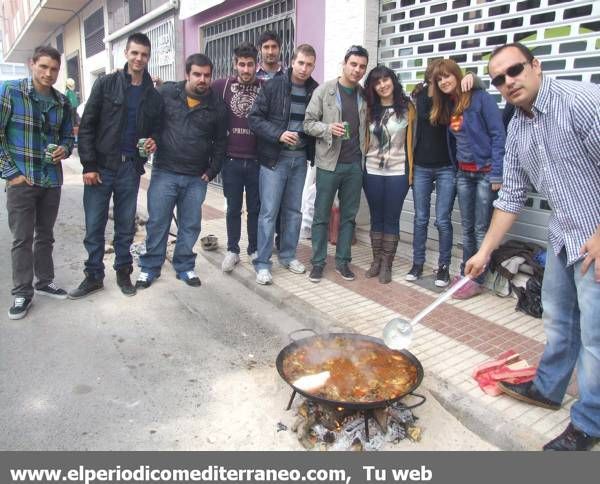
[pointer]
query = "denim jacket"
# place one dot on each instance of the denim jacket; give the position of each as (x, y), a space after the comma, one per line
(482, 122)
(325, 107)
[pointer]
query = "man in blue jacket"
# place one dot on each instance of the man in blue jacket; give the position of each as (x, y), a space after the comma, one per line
(191, 150)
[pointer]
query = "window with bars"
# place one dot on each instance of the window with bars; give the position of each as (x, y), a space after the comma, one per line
(93, 28)
(60, 46)
(220, 38)
(73, 70)
(136, 9)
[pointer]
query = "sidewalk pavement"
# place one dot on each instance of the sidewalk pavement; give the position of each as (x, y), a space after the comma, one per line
(450, 342)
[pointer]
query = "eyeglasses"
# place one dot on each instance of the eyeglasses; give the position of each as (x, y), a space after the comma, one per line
(512, 71)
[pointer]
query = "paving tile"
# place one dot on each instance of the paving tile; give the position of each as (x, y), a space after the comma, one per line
(450, 342)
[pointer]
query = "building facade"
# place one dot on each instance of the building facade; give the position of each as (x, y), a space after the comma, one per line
(563, 34)
(91, 35)
(402, 34)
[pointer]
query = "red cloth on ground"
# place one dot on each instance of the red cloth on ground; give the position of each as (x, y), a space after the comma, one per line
(508, 367)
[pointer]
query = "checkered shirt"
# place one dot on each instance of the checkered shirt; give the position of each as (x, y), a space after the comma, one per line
(26, 129)
(558, 152)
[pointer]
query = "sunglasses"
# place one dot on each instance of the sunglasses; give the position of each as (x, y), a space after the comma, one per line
(357, 50)
(512, 71)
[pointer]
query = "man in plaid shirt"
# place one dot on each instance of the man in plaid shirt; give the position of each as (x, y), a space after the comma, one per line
(33, 115)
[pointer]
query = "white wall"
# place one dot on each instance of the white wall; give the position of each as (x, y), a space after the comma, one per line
(97, 62)
(349, 22)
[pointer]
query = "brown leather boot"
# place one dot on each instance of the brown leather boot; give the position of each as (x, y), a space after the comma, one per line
(376, 241)
(389, 247)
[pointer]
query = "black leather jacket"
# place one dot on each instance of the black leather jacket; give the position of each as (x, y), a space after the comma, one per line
(270, 116)
(105, 116)
(191, 141)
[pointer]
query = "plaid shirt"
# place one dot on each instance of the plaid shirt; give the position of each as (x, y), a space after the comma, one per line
(558, 152)
(266, 76)
(26, 128)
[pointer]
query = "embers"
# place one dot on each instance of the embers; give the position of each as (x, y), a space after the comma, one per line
(322, 427)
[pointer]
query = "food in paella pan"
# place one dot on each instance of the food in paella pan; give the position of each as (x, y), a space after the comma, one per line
(340, 369)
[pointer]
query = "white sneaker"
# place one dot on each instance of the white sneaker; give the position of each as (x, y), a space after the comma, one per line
(264, 277)
(229, 262)
(296, 267)
(253, 256)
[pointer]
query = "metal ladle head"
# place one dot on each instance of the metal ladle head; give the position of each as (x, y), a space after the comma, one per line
(398, 332)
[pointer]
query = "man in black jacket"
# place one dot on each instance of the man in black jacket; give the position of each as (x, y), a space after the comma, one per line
(282, 146)
(191, 149)
(123, 108)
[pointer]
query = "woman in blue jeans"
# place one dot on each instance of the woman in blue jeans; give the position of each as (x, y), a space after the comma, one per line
(388, 165)
(432, 166)
(476, 139)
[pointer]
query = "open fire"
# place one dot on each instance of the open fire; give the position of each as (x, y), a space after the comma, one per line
(323, 427)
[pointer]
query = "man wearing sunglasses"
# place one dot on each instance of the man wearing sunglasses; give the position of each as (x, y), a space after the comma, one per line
(553, 143)
(33, 115)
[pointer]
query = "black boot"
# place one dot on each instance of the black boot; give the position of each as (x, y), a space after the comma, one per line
(389, 247)
(376, 241)
(88, 286)
(124, 280)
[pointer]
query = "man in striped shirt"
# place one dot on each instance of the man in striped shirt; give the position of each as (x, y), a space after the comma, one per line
(33, 116)
(283, 148)
(553, 143)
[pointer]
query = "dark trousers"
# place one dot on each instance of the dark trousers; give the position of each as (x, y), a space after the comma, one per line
(385, 195)
(346, 181)
(32, 212)
(239, 175)
(122, 185)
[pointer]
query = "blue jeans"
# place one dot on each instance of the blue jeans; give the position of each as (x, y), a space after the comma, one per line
(238, 174)
(571, 304)
(169, 190)
(122, 185)
(281, 187)
(475, 199)
(424, 181)
(385, 195)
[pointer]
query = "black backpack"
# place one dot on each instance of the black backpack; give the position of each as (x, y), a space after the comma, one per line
(530, 297)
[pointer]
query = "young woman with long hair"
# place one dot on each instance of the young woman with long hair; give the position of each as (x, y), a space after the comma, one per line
(388, 165)
(476, 139)
(433, 170)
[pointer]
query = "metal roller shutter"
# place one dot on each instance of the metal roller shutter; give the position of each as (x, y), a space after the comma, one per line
(563, 34)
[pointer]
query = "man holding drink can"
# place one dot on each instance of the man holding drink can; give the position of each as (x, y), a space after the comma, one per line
(283, 149)
(123, 109)
(336, 116)
(35, 135)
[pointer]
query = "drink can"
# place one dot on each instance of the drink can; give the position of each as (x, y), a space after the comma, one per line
(51, 148)
(140, 146)
(346, 130)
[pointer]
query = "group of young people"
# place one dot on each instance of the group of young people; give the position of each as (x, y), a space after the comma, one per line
(261, 127)
(374, 138)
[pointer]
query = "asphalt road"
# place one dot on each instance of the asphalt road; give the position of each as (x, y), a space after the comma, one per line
(173, 368)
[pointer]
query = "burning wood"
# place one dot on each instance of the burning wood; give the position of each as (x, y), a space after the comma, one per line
(321, 427)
